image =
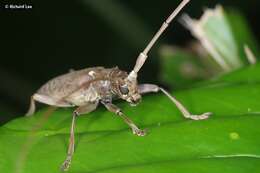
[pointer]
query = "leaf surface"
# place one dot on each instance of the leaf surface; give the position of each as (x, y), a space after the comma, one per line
(228, 141)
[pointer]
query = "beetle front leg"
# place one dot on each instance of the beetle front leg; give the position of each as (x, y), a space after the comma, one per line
(146, 88)
(113, 108)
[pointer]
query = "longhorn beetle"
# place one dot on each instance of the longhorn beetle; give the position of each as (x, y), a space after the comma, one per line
(88, 87)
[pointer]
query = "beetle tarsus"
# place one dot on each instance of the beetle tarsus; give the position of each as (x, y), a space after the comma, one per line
(199, 117)
(66, 164)
(139, 132)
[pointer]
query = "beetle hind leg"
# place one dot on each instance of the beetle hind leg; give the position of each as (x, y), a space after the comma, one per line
(31, 108)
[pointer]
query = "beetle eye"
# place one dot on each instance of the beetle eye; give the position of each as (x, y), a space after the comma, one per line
(124, 90)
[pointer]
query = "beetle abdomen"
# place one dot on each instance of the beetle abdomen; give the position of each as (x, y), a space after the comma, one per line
(67, 84)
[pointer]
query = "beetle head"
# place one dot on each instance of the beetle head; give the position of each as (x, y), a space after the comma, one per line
(128, 90)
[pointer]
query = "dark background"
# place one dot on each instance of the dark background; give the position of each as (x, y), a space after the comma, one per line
(59, 35)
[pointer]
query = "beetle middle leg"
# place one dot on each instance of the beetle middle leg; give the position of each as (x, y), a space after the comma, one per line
(80, 110)
(113, 108)
(146, 88)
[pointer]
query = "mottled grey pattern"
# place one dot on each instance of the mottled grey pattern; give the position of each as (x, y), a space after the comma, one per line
(69, 83)
(82, 86)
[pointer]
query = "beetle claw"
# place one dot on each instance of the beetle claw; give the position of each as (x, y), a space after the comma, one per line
(66, 164)
(139, 132)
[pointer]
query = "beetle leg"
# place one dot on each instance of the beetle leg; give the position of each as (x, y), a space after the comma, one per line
(113, 108)
(80, 110)
(31, 108)
(47, 100)
(66, 164)
(146, 88)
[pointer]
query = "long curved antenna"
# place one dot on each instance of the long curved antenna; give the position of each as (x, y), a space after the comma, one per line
(143, 55)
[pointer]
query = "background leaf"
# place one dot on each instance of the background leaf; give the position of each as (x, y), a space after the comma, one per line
(214, 32)
(222, 35)
(242, 33)
(180, 65)
(105, 144)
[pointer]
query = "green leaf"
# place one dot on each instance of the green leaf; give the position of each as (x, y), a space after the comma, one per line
(226, 142)
(242, 33)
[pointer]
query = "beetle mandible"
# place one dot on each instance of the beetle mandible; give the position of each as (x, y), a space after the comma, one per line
(88, 87)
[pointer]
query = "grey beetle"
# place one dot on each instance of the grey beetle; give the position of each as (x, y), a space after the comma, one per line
(88, 87)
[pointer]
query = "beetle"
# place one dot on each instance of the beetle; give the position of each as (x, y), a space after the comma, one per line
(88, 87)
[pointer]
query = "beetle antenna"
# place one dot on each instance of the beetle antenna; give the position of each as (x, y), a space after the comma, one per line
(143, 55)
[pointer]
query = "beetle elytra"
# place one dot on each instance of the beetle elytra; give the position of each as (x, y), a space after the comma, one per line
(88, 87)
